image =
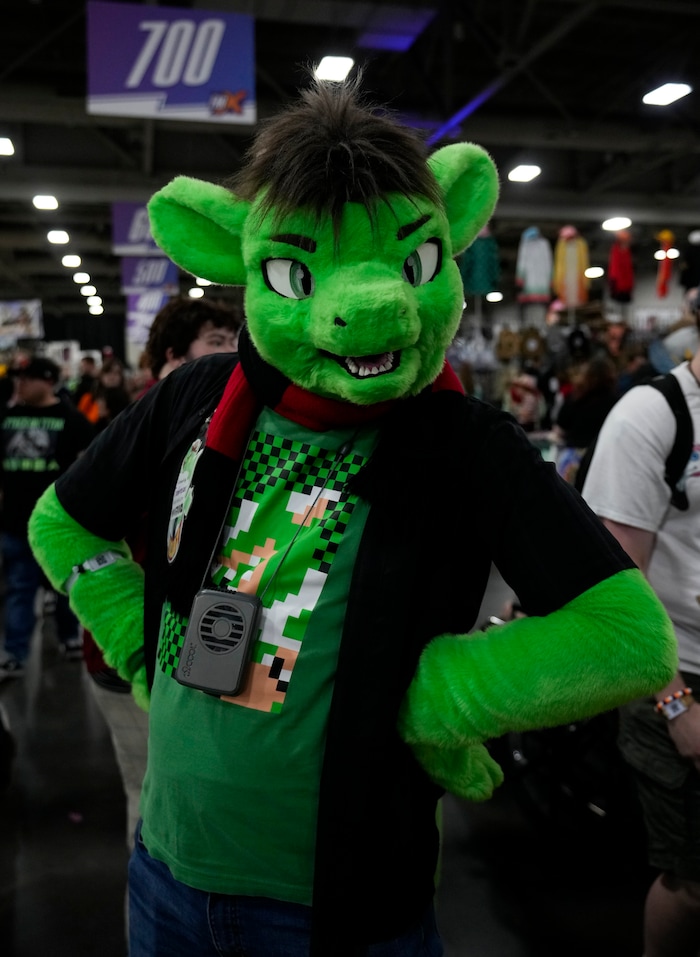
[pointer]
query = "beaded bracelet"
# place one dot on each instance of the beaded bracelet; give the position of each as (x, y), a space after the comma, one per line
(676, 704)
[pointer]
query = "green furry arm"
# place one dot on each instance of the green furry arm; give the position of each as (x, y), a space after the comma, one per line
(108, 602)
(613, 643)
(468, 771)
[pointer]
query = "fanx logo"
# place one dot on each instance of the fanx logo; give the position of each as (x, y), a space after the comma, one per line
(227, 102)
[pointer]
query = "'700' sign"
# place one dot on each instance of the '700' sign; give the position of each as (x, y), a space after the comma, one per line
(170, 63)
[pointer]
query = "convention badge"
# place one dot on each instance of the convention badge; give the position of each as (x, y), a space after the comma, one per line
(184, 494)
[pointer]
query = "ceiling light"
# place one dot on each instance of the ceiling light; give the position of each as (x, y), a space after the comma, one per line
(667, 93)
(45, 202)
(616, 223)
(334, 68)
(494, 296)
(593, 272)
(203, 282)
(660, 254)
(88, 290)
(195, 293)
(95, 310)
(524, 173)
(7, 147)
(94, 300)
(71, 261)
(81, 277)
(672, 253)
(58, 236)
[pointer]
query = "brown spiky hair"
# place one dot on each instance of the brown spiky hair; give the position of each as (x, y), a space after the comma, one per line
(328, 148)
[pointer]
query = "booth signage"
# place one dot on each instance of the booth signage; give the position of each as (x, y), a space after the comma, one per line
(139, 274)
(170, 63)
(141, 310)
(131, 231)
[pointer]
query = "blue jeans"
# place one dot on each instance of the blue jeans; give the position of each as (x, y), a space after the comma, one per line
(22, 579)
(170, 919)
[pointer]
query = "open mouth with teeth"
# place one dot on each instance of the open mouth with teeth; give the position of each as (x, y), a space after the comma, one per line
(368, 367)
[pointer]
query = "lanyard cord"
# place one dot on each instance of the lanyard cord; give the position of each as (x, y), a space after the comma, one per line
(339, 456)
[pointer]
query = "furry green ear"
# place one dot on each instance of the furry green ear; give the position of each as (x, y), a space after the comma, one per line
(199, 226)
(469, 182)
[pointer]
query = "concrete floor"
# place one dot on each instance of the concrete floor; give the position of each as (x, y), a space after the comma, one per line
(63, 852)
(527, 874)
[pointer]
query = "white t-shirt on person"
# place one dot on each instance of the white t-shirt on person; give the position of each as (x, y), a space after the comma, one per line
(625, 483)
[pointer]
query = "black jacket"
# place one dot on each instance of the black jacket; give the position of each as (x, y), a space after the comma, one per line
(453, 486)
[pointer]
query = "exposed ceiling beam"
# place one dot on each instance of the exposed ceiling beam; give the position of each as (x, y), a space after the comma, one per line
(514, 130)
(548, 41)
(560, 205)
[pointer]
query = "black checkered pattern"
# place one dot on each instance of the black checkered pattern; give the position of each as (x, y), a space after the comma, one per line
(300, 467)
(270, 460)
(172, 638)
(331, 535)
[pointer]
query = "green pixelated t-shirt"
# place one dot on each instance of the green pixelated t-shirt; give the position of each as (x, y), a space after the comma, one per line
(245, 821)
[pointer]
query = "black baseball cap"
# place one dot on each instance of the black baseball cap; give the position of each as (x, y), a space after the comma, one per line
(37, 367)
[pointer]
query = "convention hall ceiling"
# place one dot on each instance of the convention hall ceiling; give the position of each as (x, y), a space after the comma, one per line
(558, 83)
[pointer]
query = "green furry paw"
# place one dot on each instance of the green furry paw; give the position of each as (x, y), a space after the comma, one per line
(139, 689)
(469, 771)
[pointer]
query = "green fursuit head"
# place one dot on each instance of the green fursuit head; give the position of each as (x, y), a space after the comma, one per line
(365, 316)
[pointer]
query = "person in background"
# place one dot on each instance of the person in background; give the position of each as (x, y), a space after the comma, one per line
(110, 403)
(108, 395)
(7, 388)
(187, 328)
(138, 377)
(636, 368)
(660, 735)
(40, 436)
(582, 413)
(525, 401)
(184, 329)
(87, 373)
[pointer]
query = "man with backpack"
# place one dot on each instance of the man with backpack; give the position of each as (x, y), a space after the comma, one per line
(655, 515)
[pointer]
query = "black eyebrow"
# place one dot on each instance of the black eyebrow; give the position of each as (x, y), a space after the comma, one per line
(293, 239)
(409, 228)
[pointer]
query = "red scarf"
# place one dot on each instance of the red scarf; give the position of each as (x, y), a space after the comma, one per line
(253, 384)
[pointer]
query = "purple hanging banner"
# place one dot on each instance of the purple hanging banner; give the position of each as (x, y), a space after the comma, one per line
(152, 272)
(131, 231)
(170, 63)
(141, 310)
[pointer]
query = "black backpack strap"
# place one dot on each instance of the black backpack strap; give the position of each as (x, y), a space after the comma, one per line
(669, 386)
(584, 465)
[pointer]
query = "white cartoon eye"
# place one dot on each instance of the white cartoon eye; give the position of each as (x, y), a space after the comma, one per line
(423, 264)
(288, 278)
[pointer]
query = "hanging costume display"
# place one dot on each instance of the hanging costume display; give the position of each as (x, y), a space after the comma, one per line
(621, 268)
(533, 268)
(663, 275)
(507, 345)
(525, 401)
(571, 261)
(480, 265)
(323, 513)
(579, 344)
(533, 346)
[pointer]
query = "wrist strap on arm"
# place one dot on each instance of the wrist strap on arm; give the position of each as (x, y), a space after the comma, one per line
(91, 565)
